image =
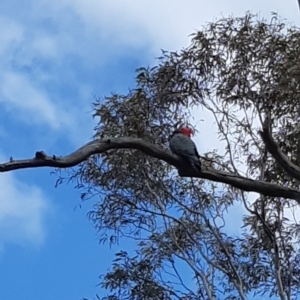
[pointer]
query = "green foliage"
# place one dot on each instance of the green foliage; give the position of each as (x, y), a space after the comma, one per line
(238, 70)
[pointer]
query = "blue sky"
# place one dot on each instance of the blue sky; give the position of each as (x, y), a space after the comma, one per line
(55, 57)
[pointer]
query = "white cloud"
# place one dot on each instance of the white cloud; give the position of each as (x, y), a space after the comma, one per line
(45, 46)
(163, 24)
(29, 103)
(31, 61)
(23, 209)
(95, 32)
(11, 33)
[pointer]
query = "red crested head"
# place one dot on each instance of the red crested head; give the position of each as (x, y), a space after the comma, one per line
(186, 131)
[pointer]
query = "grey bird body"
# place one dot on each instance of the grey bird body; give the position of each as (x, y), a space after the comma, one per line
(183, 146)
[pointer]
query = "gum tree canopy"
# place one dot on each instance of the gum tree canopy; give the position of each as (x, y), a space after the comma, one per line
(245, 72)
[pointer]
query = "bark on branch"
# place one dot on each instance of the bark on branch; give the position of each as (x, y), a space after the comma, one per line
(101, 146)
(273, 148)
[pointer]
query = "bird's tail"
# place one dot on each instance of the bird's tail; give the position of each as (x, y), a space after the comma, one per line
(196, 163)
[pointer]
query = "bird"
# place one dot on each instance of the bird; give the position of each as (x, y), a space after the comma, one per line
(182, 145)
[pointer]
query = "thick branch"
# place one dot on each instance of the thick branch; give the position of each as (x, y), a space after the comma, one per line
(292, 169)
(101, 146)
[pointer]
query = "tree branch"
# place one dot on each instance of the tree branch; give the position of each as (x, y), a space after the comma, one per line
(292, 169)
(101, 146)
